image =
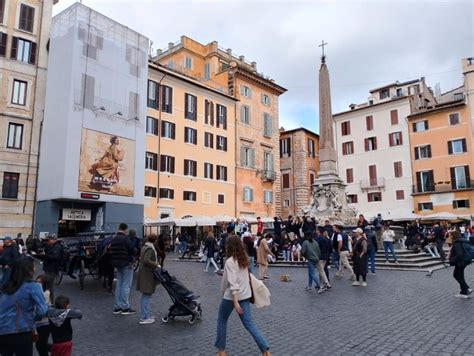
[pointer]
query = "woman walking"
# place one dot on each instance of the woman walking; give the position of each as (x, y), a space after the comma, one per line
(388, 235)
(210, 248)
(146, 283)
(21, 300)
(262, 257)
(359, 257)
(312, 253)
(237, 291)
(460, 262)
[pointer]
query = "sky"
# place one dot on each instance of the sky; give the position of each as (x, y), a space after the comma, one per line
(370, 43)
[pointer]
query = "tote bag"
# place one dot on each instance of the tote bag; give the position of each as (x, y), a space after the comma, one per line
(260, 292)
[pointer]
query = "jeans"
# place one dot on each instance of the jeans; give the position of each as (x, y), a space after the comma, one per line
(313, 276)
(286, 255)
(225, 309)
(458, 275)
(209, 261)
(251, 263)
(335, 259)
(387, 245)
(122, 289)
(19, 344)
(145, 306)
(370, 256)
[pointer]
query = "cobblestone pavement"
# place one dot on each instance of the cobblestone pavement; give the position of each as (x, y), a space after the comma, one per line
(399, 313)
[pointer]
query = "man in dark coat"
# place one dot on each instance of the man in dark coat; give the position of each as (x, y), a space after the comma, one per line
(8, 258)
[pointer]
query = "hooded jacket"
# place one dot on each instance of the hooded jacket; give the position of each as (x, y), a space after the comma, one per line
(60, 323)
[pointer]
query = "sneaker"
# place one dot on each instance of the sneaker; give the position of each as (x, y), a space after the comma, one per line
(128, 311)
(469, 291)
(355, 284)
(328, 286)
(462, 296)
(308, 289)
(321, 289)
(117, 311)
(364, 284)
(72, 276)
(338, 276)
(353, 277)
(147, 321)
(373, 273)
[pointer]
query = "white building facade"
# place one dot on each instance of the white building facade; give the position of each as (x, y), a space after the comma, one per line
(373, 151)
(91, 174)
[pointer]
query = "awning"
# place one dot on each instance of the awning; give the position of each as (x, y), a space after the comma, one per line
(205, 221)
(445, 217)
(223, 218)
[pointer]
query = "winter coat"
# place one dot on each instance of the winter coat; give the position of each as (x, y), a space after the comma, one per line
(148, 263)
(121, 250)
(262, 252)
(52, 258)
(456, 255)
(310, 250)
(10, 255)
(210, 247)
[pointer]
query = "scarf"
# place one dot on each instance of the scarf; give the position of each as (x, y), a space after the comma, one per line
(149, 244)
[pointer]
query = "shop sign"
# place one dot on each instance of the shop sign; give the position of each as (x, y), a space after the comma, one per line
(77, 214)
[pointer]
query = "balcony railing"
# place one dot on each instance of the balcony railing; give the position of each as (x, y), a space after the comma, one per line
(443, 187)
(269, 176)
(372, 183)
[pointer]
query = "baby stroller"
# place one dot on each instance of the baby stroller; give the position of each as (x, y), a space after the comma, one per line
(185, 302)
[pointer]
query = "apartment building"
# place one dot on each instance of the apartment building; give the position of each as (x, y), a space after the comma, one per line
(373, 148)
(256, 121)
(190, 150)
(24, 31)
(299, 164)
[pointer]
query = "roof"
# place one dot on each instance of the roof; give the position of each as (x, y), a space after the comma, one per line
(169, 71)
(450, 91)
(299, 129)
(439, 107)
(370, 106)
(395, 84)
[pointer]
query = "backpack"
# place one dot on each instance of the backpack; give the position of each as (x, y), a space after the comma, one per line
(467, 254)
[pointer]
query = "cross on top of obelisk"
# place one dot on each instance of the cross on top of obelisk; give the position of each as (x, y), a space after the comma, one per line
(323, 57)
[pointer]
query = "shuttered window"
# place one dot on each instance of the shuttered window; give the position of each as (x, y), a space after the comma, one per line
(268, 196)
(460, 177)
(166, 193)
(19, 92)
(208, 140)
(220, 198)
(394, 117)
(168, 129)
(373, 175)
(190, 135)
(167, 164)
(370, 144)
(247, 157)
(221, 173)
(369, 122)
(208, 170)
(425, 181)
(348, 148)
(209, 112)
(352, 198)
(248, 194)
(268, 162)
(374, 197)
(457, 146)
(221, 143)
(3, 44)
(27, 18)
(221, 121)
(349, 175)
(189, 195)
(245, 114)
(311, 148)
(2, 10)
(15, 136)
(423, 152)
(397, 169)
(346, 128)
(395, 139)
(151, 161)
(267, 125)
(400, 194)
(190, 107)
(420, 126)
(150, 191)
(190, 168)
(10, 185)
(285, 147)
(286, 180)
(167, 99)
(151, 126)
(153, 94)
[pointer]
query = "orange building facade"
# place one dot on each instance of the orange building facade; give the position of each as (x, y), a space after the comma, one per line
(256, 140)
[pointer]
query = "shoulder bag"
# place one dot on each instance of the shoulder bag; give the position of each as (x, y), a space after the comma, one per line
(260, 293)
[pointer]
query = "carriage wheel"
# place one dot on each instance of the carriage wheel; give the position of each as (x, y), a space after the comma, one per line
(82, 274)
(58, 278)
(165, 319)
(191, 321)
(94, 271)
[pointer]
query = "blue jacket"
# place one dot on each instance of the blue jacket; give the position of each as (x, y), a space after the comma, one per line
(30, 301)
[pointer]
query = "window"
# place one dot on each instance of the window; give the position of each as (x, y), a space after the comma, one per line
(425, 181)
(348, 148)
(268, 162)
(2, 10)
(150, 191)
(190, 103)
(189, 195)
(247, 157)
(286, 203)
(248, 194)
(352, 198)
(369, 122)
(151, 126)
(346, 128)
(10, 185)
(461, 204)
(400, 194)
(190, 168)
(151, 161)
(246, 91)
(208, 170)
(153, 94)
(245, 114)
(458, 96)
(168, 129)
(267, 125)
(167, 99)
(373, 197)
(15, 136)
(286, 180)
(220, 198)
(208, 112)
(370, 144)
(425, 206)
(19, 92)
(423, 152)
(23, 50)
(167, 164)
(166, 193)
(265, 100)
(397, 169)
(190, 135)
(349, 175)
(208, 140)
(285, 147)
(311, 151)
(221, 143)
(385, 93)
(460, 177)
(27, 18)
(221, 173)
(188, 63)
(268, 196)
(420, 126)
(3, 43)
(373, 175)
(399, 91)
(394, 117)
(457, 146)
(395, 139)
(311, 178)
(87, 92)
(371, 102)
(207, 71)
(454, 119)
(221, 116)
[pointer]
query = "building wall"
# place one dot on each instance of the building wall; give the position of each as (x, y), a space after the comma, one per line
(16, 215)
(206, 189)
(300, 166)
(437, 136)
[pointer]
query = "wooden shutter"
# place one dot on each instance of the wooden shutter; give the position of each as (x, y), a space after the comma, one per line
(450, 147)
(173, 131)
(162, 163)
(468, 176)
(349, 175)
(394, 117)
(375, 143)
(369, 122)
(429, 151)
(218, 172)
(195, 137)
(217, 116)
(242, 155)
(225, 144)
(206, 111)
(289, 146)
(417, 153)
(452, 172)
(206, 139)
(224, 108)
(32, 59)
(30, 18)
(186, 99)
(418, 182)
(186, 136)
(252, 157)
(431, 181)
(464, 145)
(414, 127)
(194, 108)
(3, 44)
(281, 148)
(225, 174)
(373, 175)
(426, 125)
(400, 135)
(14, 49)
(390, 139)
(211, 107)
(366, 144)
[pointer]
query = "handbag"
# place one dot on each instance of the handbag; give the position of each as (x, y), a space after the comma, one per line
(260, 293)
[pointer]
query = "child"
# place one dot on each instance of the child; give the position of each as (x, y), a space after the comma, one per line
(42, 327)
(60, 322)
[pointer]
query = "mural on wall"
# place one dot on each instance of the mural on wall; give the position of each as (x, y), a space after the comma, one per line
(107, 164)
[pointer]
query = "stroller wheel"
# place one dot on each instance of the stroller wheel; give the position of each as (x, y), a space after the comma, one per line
(199, 314)
(165, 319)
(191, 321)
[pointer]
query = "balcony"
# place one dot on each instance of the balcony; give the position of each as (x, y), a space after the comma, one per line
(376, 183)
(268, 176)
(443, 187)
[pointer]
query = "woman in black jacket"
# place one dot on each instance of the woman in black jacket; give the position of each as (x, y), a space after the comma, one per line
(459, 261)
(211, 248)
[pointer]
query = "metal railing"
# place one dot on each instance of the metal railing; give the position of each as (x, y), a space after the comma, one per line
(372, 183)
(443, 187)
(269, 176)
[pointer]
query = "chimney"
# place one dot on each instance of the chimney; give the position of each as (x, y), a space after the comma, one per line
(242, 58)
(254, 65)
(159, 52)
(170, 45)
(229, 51)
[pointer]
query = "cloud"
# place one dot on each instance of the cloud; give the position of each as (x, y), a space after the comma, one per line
(370, 42)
